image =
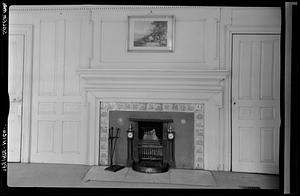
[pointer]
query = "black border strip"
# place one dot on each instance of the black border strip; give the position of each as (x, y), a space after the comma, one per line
(229, 3)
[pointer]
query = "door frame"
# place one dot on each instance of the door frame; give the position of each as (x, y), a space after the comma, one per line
(230, 31)
(26, 31)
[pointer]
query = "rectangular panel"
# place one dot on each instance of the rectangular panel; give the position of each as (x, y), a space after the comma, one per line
(255, 75)
(267, 144)
(267, 113)
(45, 136)
(72, 57)
(245, 113)
(189, 44)
(246, 150)
(245, 62)
(47, 108)
(276, 67)
(266, 73)
(47, 66)
(71, 108)
(70, 137)
(16, 61)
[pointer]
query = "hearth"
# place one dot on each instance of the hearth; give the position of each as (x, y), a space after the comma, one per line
(150, 145)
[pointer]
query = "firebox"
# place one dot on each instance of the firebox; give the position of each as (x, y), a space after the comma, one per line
(150, 145)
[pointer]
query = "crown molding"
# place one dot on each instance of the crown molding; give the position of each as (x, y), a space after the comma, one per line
(90, 7)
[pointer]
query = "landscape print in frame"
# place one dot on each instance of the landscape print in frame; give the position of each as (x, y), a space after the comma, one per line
(151, 33)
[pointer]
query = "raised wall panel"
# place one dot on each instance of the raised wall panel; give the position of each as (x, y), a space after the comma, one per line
(255, 69)
(267, 144)
(276, 67)
(45, 136)
(246, 135)
(48, 59)
(189, 45)
(70, 131)
(47, 108)
(256, 16)
(72, 57)
(245, 70)
(267, 113)
(71, 108)
(245, 113)
(16, 58)
(266, 74)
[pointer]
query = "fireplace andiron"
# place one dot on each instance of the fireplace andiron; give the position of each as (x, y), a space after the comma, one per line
(112, 146)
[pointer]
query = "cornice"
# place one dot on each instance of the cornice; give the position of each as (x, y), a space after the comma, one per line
(90, 7)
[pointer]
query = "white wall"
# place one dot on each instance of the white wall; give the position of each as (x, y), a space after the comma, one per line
(66, 39)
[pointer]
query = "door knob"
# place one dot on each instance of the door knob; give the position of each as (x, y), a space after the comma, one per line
(16, 99)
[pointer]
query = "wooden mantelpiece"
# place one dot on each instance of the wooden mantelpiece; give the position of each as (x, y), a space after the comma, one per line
(204, 88)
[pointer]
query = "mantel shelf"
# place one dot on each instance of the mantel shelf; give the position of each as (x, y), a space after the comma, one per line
(153, 80)
(152, 73)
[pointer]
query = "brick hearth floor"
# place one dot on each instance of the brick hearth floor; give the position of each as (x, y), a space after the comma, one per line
(64, 175)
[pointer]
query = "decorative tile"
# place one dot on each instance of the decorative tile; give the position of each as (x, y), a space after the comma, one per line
(191, 107)
(199, 107)
(142, 106)
(199, 116)
(103, 146)
(103, 138)
(176, 107)
(135, 106)
(198, 110)
(200, 133)
(150, 106)
(104, 114)
(167, 107)
(157, 107)
(199, 142)
(199, 150)
(199, 159)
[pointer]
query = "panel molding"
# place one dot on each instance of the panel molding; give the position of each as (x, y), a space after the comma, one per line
(70, 63)
(42, 126)
(75, 125)
(43, 89)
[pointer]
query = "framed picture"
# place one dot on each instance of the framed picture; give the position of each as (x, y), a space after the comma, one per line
(151, 33)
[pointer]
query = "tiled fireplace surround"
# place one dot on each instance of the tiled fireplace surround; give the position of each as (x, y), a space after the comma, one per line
(199, 92)
(197, 109)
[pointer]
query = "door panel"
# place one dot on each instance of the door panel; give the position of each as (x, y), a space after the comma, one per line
(15, 85)
(255, 103)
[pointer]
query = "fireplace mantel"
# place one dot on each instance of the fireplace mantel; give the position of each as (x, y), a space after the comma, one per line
(204, 87)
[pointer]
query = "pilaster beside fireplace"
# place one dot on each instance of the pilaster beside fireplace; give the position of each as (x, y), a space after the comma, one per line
(150, 149)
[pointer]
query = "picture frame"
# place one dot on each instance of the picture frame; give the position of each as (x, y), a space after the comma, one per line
(151, 33)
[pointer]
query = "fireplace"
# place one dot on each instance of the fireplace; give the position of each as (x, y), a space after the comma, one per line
(150, 145)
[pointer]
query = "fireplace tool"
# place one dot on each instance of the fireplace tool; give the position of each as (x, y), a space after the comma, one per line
(112, 139)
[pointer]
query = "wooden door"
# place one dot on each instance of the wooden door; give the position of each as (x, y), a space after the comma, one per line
(15, 90)
(255, 103)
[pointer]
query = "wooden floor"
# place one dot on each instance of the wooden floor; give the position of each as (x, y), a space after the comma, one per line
(64, 175)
